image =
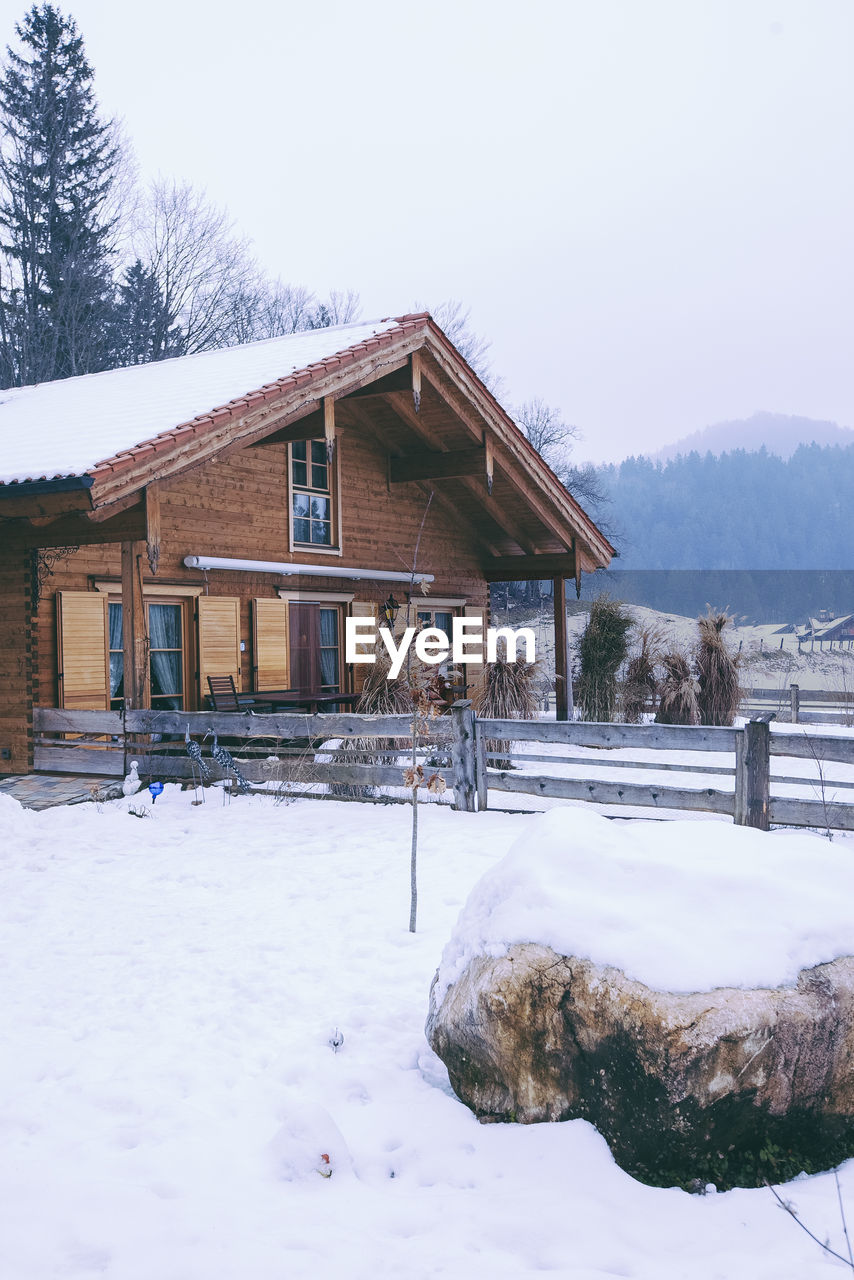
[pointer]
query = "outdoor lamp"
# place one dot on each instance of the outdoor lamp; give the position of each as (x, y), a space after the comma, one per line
(390, 609)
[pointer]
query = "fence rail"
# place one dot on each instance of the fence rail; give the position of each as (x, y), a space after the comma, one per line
(270, 749)
(803, 706)
(748, 753)
(477, 757)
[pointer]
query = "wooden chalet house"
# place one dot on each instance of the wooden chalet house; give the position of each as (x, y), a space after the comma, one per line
(222, 513)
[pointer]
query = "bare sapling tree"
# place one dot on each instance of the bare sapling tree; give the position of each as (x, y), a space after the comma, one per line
(455, 323)
(201, 265)
(545, 428)
(425, 700)
(821, 786)
(341, 306)
(792, 1210)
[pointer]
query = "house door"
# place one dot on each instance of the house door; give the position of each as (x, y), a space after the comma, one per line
(315, 648)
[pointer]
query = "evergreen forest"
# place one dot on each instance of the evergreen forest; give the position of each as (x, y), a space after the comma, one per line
(738, 510)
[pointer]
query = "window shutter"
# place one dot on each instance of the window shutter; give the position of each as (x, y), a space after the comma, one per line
(272, 657)
(474, 673)
(219, 640)
(363, 609)
(83, 650)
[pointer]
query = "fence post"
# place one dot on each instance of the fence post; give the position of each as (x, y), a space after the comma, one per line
(463, 754)
(757, 772)
(480, 767)
(740, 804)
(795, 694)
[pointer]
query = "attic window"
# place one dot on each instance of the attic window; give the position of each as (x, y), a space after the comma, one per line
(311, 495)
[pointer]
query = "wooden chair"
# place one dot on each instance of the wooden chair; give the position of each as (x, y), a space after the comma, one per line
(224, 696)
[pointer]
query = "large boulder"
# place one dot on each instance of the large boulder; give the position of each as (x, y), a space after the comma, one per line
(728, 1086)
(690, 1080)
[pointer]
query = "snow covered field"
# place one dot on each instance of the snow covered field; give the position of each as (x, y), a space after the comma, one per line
(169, 1093)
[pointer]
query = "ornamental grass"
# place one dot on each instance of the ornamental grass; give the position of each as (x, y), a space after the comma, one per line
(601, 648)
(719, 689)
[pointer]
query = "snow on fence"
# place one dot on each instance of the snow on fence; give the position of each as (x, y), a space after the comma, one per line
(732, 772)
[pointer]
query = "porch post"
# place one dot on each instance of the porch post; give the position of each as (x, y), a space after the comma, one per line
(562, 689)
(18, 653)
(134, 630)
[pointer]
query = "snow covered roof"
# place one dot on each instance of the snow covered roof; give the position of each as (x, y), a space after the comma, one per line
(68, 428)
(820, 629)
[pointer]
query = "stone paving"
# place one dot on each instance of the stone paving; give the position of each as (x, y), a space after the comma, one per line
(44, 790)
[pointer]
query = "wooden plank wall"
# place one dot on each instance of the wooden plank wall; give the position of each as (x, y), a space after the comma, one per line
(238, 508)
(18, 661)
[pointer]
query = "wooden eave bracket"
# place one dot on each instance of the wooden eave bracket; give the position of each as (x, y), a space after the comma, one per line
(474, 407)
(329, 427)
(152, 525)
(415, 368)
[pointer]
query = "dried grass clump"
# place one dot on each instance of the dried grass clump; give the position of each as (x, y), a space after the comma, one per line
(509, 692)
(641, 685)
(601, 649)
(380, 696)
(678, 694)
(719, 690)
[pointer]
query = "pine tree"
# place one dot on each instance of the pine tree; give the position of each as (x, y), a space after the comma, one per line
(56, 171)
(140, 330)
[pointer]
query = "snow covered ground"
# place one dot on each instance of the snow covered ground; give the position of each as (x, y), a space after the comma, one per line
(170, 1102)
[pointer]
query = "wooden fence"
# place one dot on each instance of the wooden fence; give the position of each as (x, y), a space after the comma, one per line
(791, 703)
(795, 705)
(269, 749)
(471, 755)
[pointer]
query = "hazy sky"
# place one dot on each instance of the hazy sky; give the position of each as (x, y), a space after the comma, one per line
(647, 205)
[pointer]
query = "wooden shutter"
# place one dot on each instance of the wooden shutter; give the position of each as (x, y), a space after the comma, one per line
(83, 650)
(363, 609)
(474, 673)
(272, 658)
(219, 640)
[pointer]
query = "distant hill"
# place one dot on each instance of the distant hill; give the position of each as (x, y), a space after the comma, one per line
(742, 509)
(778, 432)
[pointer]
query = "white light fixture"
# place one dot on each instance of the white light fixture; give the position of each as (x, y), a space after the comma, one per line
(308, 570)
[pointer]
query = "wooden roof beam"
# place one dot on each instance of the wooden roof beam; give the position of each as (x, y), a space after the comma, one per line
(256, 426)
(529, 568)
(510, 467)
(400, 380)
(431, 466)
(22, 502)
(130, 525)
(364, 421)
(400, 404)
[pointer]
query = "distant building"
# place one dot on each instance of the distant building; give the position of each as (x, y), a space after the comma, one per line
(826, 630)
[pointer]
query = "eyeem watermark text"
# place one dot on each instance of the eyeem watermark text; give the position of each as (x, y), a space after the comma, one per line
(432, 645)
